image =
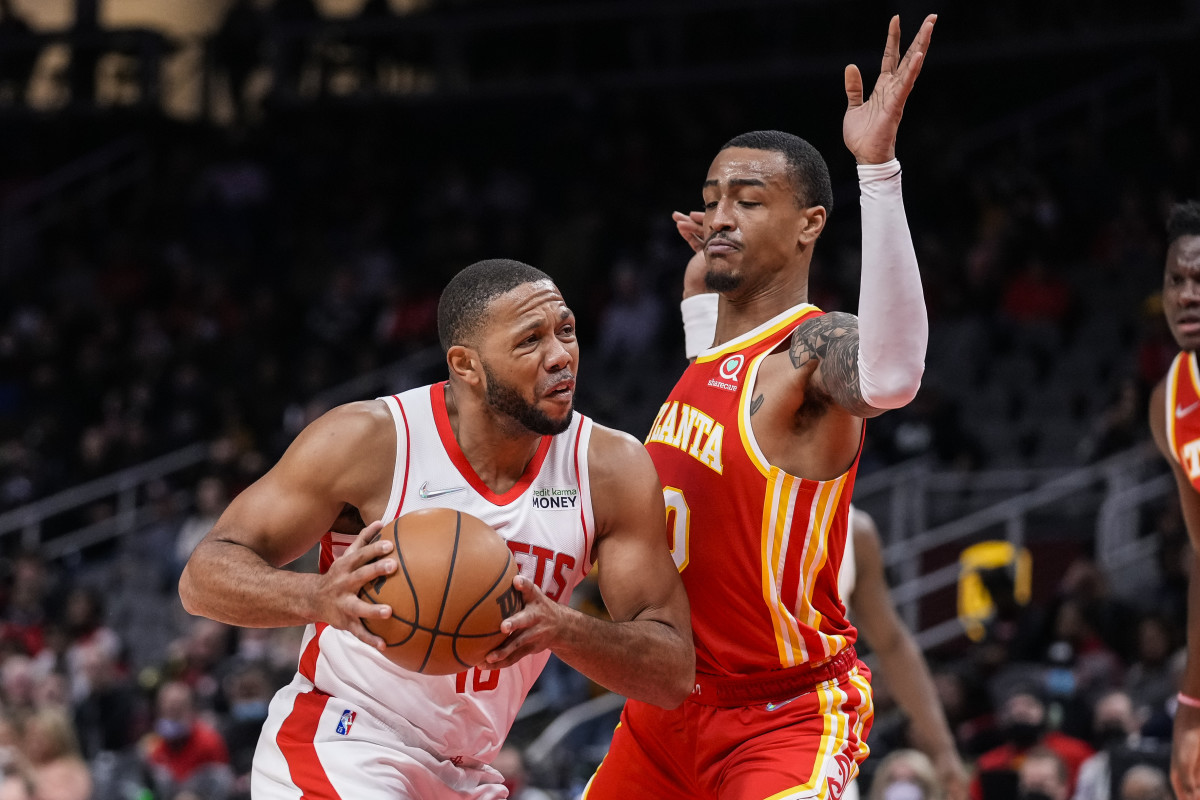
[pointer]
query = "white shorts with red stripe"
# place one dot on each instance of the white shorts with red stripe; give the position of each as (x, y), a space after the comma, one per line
(319, 747)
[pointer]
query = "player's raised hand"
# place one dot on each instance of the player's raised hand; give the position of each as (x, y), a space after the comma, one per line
(869, 127)
(337, 592)
(691, 228)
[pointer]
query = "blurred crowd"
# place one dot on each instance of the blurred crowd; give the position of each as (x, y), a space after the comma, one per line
(260, 264)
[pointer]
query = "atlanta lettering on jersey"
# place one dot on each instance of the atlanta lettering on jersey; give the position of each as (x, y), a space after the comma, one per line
(692, 431)
(1190, 453)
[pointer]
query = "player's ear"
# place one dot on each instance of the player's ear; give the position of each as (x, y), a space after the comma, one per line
(812, 223)
(465, 364)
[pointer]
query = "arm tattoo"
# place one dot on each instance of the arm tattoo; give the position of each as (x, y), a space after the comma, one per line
(833, 339)
(756, 404)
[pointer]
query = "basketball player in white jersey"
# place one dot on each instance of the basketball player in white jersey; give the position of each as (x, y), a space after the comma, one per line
(495, 440)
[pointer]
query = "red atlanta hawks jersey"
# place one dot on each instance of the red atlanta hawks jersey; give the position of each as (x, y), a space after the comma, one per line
(758, 549)
(1183, 414)
(548, 523)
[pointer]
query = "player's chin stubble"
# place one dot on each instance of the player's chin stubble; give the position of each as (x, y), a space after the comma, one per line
(508, 401)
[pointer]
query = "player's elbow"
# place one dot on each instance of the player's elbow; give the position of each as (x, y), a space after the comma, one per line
(673, 696)
(189, 593)
(894, 387)
(683, 681)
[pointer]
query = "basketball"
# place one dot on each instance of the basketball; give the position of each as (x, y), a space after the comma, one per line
(451, 590)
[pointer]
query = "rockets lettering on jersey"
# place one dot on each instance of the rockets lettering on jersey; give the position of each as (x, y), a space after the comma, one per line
(1183, 414)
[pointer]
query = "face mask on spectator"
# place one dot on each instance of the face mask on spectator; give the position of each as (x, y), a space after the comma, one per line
(1109, 734)
(172, 730)
(244, 710)
(1034, 794)
(1022, 734)
(903, 790)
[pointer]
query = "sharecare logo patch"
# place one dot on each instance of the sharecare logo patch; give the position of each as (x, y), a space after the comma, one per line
(731, 366)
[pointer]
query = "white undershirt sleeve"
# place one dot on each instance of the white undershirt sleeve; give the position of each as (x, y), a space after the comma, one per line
(893, 326)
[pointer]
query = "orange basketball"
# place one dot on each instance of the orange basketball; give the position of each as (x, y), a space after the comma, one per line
(449, 594)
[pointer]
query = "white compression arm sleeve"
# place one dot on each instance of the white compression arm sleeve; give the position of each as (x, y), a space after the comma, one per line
(893, 326)
(699, 322)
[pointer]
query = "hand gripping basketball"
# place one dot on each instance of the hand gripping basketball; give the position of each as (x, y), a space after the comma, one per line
(531, 630)
(337, 593)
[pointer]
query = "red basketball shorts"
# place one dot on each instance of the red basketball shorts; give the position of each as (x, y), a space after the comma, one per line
(806, 746)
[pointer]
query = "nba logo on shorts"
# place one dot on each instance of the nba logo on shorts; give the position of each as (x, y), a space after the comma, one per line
(346, 721)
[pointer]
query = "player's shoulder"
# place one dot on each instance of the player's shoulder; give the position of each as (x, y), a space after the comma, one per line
(618, 455)
(360, 417)
(353, 426)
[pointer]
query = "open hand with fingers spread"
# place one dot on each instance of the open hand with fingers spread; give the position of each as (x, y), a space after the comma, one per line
(869, 128)
(337, 592)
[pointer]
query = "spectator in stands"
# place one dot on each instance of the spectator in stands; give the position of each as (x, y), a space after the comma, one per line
(26, 605)
(510, 762)
(87, 634)
(906, 775)
(1118, 741)
(57, 770)
(210, 500)
(1144, 782)
(1042, 775)
(186, 753)
(1022, 720)
(199, 657)
(1150, 679)
(109, 717)
(249, 688)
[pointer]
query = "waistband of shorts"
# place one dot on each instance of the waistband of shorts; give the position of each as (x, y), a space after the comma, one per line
(732, 691)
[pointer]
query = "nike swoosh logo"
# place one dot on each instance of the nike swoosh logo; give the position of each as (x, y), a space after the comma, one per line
(428, 494)
(775, 706)
(1183, 411)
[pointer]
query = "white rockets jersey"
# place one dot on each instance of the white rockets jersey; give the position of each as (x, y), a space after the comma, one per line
(548, 522)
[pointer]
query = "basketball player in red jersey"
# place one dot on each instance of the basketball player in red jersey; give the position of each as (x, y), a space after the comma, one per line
(495, 439)
(756, 448)
(1175, 424)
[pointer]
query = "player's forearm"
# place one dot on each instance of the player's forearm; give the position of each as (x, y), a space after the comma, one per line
(1190, 685)
(643, 659)
(893, 326)
(910, 682)
(232, 584)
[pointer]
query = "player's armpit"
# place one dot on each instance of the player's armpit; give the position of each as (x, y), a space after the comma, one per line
(832, 341)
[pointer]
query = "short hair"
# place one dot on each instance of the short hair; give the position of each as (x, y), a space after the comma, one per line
(806, 166)
(1183, 219)
(1043, 753)
(462, 309)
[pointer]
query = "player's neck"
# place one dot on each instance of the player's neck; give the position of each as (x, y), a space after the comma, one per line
(739, 314)
(497, 451)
